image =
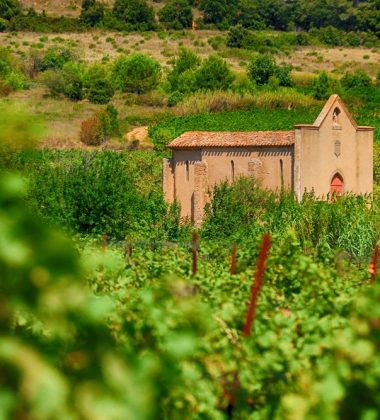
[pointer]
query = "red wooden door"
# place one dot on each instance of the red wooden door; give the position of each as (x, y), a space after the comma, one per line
(336, 186)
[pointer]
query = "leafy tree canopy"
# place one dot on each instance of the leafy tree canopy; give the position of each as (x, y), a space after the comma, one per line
(9, 8)
(133, 11)
(176, 14)
(137, 73)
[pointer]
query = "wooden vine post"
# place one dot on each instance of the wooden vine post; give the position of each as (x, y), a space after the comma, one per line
(233, 260)
(195, 253)
(256, 286)
(374, 264)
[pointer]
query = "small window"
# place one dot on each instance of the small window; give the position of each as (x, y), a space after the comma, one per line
(336, 114)
(187, 171)
(232, 171)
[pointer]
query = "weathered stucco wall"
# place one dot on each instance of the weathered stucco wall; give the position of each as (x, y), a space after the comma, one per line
(334, 147)
(263, 162)
(273, 167)
(183, 164)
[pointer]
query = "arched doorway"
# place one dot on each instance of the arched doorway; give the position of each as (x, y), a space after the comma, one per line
(337, 185)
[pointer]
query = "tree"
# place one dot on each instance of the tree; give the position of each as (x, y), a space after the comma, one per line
(92, 12)
(99, 87)
(218, 11)
(176, 14)
(322, 86)
(236, 36)
(357, 79)
(134, 12)
(248, 15)
(182, 77)
(261, 69)
(321, 13)
(368, 16)
(137, 73)
(214, 73)
(9, 8)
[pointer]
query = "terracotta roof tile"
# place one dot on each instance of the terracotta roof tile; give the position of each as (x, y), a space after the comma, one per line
(201, 139)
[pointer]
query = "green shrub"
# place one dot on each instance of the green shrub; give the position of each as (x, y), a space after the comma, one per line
(117, 193)
(358, 79)
(176, 14)
(136, 13)
(99, 89)
(16, 80)
(109, 121)
(182, 77)
(42, 23)
(137, 73)
(261, 69)
(55, 58)
(9, 9)
(92, 12)
(3, 25)
(67, 81)
(214, 74)
(243, 85)
(322, 86)
(72, 74)
(283, 74)
(236, 36)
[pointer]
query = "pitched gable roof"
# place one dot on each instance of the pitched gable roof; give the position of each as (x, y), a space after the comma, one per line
(333, 101)
(202, 139)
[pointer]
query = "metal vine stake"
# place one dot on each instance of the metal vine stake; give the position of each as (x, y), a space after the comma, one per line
(256, 286)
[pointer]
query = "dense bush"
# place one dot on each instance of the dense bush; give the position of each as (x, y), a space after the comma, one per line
(67, 81)
(182, 76)
(92, 12)
(347, 224)
(9, 9)
(358, 79)
(136, 73)
(236, 37)
(98, 129)
(55, 58)
(99, 88)
(176, 14)
(95, 192)
(91, 132)
(45, 24)
(136, 13)
(11, 73)
(323, 86)
(214, 73)
(263, 67)
(3, 25)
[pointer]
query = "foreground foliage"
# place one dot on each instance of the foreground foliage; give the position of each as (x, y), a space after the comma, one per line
(143, 339)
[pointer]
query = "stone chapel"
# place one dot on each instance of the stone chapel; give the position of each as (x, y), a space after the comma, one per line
(333, 155)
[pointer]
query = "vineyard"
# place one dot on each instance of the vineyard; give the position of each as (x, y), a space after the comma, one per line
(269, 311)
(143, 330)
